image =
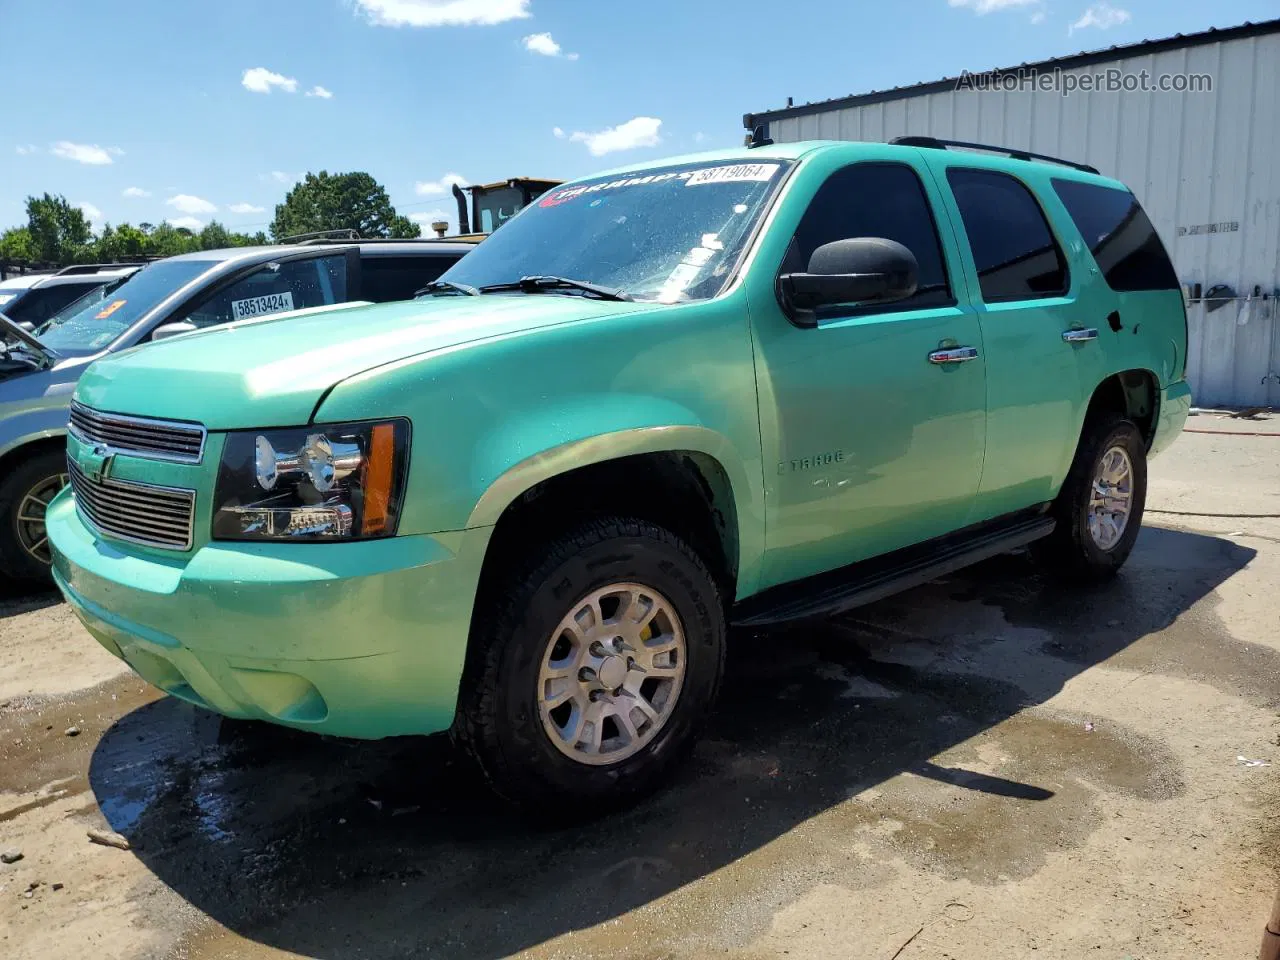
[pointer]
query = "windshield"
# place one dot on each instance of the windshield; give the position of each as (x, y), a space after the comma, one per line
(668, 234)
(93, 323)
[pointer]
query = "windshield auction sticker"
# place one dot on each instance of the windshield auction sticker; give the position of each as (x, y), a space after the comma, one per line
(260, 306)
(109, 309)
(730, 173)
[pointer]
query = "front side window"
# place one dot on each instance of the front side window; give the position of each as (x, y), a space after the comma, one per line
(1120, 236)
(92, 324)
(1013, 248)
(669, 234)
(275, 288)
(883, 200)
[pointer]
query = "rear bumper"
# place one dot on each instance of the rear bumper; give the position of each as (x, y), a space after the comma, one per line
(1175, 407)
(356, 640)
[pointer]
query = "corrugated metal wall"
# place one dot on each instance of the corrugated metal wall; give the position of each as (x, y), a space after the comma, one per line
(1193, 159)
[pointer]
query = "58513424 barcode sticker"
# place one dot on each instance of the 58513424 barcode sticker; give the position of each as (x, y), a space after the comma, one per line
(260, 306)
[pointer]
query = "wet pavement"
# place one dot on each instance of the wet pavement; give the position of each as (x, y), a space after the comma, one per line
(995, 762)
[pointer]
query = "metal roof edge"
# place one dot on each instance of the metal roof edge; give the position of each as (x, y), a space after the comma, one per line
(1070, 62)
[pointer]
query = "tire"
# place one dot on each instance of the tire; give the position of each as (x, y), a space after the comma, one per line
(33, 475)
(1089, 552)
(516, 635)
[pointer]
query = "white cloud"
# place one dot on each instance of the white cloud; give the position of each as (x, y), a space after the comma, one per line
(1038, 17)
(191, 223)
(442, 13)
(135, 192)
(92, 212)
(637, 132)
(543, 43)
(321, 92)
(261, 80)
(436, 188)
(245, 208)
(280, 176)
(85, 153)
(1101, 15)
(699, 137)
(426, 219)
(559, 133)
(983, 7)
(25, 149)
(186, 203)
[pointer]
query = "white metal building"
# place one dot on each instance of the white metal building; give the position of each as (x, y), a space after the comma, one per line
(1204, 162)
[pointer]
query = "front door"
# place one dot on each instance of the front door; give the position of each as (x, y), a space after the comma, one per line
(871, 441)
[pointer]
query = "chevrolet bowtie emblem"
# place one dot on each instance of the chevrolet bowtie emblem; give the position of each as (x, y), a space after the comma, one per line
(95, 463)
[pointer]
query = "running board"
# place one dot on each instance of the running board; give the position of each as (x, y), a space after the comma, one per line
(861, 583)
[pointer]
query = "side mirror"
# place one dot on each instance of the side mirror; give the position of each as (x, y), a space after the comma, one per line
(28, 326)
(864, 270)
(167, 330)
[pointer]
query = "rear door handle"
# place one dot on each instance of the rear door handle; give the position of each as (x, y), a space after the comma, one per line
(1080, 336)
(954, 355)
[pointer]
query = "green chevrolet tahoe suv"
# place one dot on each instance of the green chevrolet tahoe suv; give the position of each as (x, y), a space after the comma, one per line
(743, 387)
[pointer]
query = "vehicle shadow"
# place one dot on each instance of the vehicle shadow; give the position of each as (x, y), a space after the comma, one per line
(336, 849)
(16, 598)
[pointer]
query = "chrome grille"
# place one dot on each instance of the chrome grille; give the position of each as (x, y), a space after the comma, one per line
(139, 436)
(137, 512)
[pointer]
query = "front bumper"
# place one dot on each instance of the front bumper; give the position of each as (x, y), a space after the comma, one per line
(362, 639)
(1175, 407)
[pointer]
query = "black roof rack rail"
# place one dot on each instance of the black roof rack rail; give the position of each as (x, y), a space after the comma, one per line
(933, 143)
(321, 241)
(87, 268)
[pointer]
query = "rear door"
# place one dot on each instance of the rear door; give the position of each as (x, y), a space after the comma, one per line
(1025, 301)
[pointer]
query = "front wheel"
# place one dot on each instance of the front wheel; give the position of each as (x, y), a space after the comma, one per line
(590, 671)
(25, 494)
(1099, 509)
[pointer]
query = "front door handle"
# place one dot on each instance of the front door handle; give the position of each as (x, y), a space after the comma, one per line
(1080, 336)
(954, 355)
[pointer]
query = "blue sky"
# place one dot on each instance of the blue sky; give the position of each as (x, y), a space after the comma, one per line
(186, 111)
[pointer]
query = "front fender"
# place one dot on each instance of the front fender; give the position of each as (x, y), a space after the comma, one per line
(30, 427)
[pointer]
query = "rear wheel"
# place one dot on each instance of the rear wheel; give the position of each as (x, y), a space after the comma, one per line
(591, 670)
(25, 495)
(1099, 509)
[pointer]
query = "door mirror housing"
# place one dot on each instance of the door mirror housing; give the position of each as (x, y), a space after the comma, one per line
(862, 271)
(167, 330)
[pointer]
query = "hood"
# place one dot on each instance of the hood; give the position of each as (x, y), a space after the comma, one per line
(271, 372)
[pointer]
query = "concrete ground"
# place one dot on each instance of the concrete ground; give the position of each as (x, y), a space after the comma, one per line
(987, 767)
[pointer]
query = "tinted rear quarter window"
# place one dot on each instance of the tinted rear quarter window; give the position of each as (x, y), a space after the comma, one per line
(876, 200)
(43, 302)
(1013, 247)
(1119, 235)
(397, 278)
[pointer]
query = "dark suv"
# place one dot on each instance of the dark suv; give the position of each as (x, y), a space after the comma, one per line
(38, 371)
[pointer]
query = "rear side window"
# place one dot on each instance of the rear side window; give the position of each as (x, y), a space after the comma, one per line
(1013, 248)
(1120, 236)
(876, 200)
(398, 278)
(43, 302)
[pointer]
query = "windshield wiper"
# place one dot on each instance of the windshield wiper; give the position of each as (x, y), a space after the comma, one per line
(441, 286)
(538, 284)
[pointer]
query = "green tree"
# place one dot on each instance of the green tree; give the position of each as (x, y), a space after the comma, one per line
(214, 237)
(16, 244)
(351, 201)
(120, 243)
(59, 232)
(402, 228)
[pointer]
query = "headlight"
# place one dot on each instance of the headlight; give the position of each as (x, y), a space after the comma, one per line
(325, 482)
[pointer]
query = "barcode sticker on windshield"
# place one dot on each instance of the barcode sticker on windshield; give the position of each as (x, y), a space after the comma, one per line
(736, 173)
(261, 306)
